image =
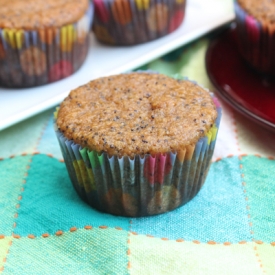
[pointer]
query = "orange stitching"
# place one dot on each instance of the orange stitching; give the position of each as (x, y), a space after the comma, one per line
(230, 156)
(211, 242)
(271, 158)
(273, 243)
(50, 155)
(2, 236)
(45, 235)
(241, 166)
(88, 227)
(134, 233)
(227, 243)
(236, 132)
(118, 228)
(23, 154)
(180, 240)
(12, 156)
(128, 242)
(61, 160)
(164, 239)
(103, 226)
(196, 242)
(259, 260)
(257, 155)
(218, 159)
(59, 233)
(31, 236)
(149, 236)
(1, 159)
(36, 153)
(73, 229)
(242, 242)
(17, 206)
(259, 242)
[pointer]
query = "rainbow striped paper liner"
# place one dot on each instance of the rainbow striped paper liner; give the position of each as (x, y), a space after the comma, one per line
(256, 41)
(32, 58)
(142, 186)
(130, 22)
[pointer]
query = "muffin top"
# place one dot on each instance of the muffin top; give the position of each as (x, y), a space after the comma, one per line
(136, 113)
(34, 14)
(263, 10)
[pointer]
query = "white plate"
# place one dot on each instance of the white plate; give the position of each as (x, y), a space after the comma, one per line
(201, 17)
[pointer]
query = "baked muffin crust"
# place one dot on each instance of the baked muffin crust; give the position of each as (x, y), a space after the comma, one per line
(136, 113)
(33, 14)
(262, 10)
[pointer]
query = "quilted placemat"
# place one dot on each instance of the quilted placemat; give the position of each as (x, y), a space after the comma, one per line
(228, 228)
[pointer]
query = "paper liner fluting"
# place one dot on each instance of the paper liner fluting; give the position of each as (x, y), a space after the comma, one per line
(256, 41)
(32, 58)
(140, 186)
(129, 22)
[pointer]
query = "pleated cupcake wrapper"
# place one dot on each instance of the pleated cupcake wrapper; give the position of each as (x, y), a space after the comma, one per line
(143, 186)
(32, 58)
(256, 41)
(129, 22)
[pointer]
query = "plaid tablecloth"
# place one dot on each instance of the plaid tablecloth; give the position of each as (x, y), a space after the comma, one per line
(228, 228)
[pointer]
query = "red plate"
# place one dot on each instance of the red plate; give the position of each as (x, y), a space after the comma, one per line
(244, 89)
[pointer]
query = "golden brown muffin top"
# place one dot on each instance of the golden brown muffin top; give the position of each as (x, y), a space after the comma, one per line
(34, 14)
(262, 10)
(136, 113)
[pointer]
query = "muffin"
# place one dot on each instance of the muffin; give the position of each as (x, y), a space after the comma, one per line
(42, 41)
(129, 22)
(256, 33)
(138, 144)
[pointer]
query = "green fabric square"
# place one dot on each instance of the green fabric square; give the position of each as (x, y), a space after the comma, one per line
(95, 251)
(258, 176)
(266, 254)
(4, 247)
(12, 175)
(156, 256)
(23, 137)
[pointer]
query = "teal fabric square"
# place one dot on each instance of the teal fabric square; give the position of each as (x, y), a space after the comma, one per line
(260, 190)
(217, 213)
(50, 203)
(96, 251)
(12, 175)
